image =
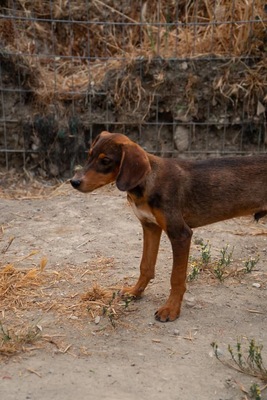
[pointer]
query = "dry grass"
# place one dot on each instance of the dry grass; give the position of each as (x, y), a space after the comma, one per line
(18, 285)
(28, 284)
(165, 29)
(24, 186)
(70, 293)
(16, 340)
(105, 302)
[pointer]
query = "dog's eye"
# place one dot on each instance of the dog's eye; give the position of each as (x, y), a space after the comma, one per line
(105, 161)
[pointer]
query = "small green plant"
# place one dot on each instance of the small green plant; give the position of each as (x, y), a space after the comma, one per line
(252, 364)
(205, 253)
(194, 273)
(5, 336)
(226, 256)
(250, 264)
(127, 301)
(110, 314)
(219, 271)
(255, 358)
(255, 391)
(12, 342)
(249, 362)
(220, 268)
(26, 336)
(224, 262)
(198, 265)
(109, 310)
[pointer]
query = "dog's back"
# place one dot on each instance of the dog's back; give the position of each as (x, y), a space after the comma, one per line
(219, 189)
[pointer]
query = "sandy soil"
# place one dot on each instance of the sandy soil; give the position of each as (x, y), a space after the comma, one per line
(95, 238)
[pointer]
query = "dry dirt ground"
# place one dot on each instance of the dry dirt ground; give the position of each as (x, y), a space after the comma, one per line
(72, 242)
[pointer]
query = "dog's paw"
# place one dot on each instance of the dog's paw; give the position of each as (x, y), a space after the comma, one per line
(166, 314)
(129, 293)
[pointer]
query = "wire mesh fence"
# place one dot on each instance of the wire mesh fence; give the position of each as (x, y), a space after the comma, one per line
(183, 78)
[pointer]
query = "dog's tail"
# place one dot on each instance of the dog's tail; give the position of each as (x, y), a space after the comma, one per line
(258, 215)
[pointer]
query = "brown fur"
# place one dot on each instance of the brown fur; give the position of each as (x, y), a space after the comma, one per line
(174, 196)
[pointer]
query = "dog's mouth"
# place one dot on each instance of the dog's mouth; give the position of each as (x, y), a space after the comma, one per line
(85, 185)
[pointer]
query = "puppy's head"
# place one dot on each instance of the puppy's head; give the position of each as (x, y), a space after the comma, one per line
(112, 157)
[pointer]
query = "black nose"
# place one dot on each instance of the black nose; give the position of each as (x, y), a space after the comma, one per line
(75, 183)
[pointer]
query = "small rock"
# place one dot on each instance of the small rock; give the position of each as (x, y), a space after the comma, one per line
(190, 303)
(97, 320)
(182, 115)
(73, 317)
(176, 332)
(256, 285)
(181, 138)
(184, 66)
(190, 300)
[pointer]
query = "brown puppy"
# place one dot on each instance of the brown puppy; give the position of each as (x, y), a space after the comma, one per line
(174, 196)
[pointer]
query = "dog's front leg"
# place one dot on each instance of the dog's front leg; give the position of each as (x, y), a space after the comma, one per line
(180, 247)
(151, 240)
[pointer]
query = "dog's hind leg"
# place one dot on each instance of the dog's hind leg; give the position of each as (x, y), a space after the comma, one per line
(180, 247)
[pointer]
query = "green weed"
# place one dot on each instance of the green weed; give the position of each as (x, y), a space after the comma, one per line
(255, 391)
(194, 273)
(109, 310)
(226, 256)
(112, 308)
(224, 262)
(205, 253)
(12, 341)
(250, 264)
(249, 362)
(220, 268)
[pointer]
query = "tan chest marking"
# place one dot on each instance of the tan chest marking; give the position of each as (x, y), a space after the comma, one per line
(143, 213)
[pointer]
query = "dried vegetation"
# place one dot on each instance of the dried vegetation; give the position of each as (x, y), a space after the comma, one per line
(67, 58)
(30, 289)
(72, 69)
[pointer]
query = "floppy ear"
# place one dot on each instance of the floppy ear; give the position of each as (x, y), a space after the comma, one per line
(102, 134)
(133, 168)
